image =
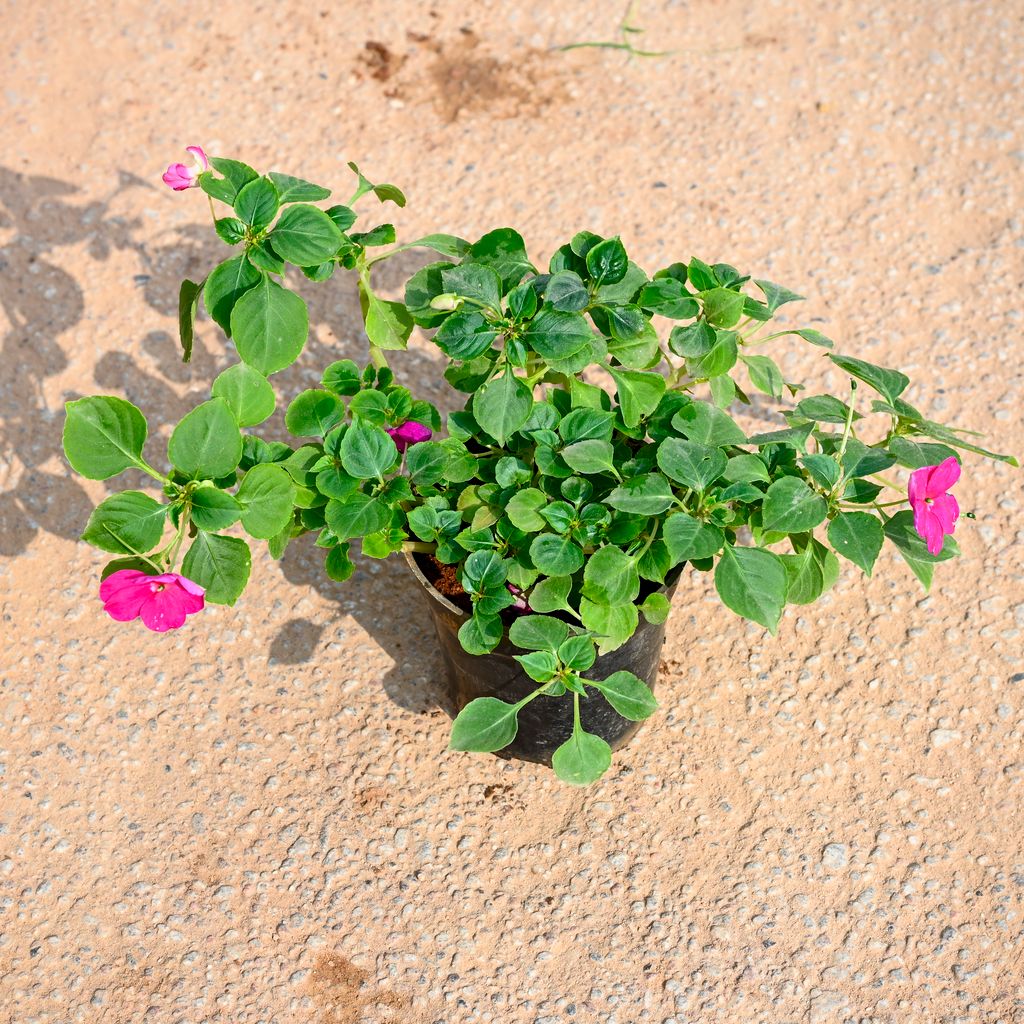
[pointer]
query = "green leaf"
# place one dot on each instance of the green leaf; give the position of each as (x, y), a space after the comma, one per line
(796, 436)
(343, 216)
(814, 337)
(607, 262)
(566, 292)
(765, 375)
(647, 495)
(627, 693)
(538, 633)
(342, 378)
(426, 463)
(523, 509)
(707, 425)
(540, 666)
(338, 565)
(219, 564)
(555, 335)
(313, 413)
(257, 203)
(857, 536)
(809, 573)
(824, 469)
(483, 573)
(952, 437)
(388, 324)
(295, 190)
(247, 393)
(305, 235)
(590, 456)
(639, 393)
(236, 176)
(214, 509)
(610, 577)
(775, 295)
(917, 454)
(207, 443)
(367, 452)
(689, 539)
(269, 325)
(484, 725)
(888, 383)
(503, 405)
(103, 436)
(480, 634)
(612, 625)
(188, 302)
(669, 298)
(700, 275)
(687, 462)
(465, 335)
(555, 555)
(790, 506)
(473, 281)
(824, 409)
(267, 497)
(446, 245)
(227, 283)
(656, 608)
(129, 523)
(503, 250)
(722, 307)
(752, 582)
(583, 758)
(356, 515)
(551, 594)
(746, 469)
(900, 530)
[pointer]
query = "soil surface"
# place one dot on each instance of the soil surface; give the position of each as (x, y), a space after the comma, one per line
(255, 818)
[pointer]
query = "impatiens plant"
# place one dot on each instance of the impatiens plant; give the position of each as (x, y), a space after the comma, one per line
(594, 455)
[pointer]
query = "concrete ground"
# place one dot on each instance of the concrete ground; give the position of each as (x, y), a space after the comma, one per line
(254, 819)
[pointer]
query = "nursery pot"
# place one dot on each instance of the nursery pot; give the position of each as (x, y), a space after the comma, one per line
(546, 722)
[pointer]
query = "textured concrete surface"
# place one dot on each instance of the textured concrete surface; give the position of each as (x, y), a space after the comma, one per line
(254, 819)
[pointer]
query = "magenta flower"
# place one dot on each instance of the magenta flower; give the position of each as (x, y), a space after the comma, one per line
(520, 604)
(180, 177)
(935, 511)
(409, 433)
(162, 602)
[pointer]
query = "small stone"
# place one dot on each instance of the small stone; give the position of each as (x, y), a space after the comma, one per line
(834, 855)
(943, 737)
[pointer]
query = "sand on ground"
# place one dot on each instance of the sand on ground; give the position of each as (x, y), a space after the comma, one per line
(255, 819)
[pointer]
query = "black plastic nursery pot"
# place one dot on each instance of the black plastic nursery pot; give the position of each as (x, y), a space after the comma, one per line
(545, 723)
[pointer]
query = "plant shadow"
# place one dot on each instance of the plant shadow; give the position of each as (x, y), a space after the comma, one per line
(44, 304)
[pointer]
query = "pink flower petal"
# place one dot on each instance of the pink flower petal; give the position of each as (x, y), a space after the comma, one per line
(189, 585)
(946, 512)
(917, 490)
(201, 158)
(126, 604)
(932, 532)
(943, 476)
(118, 580)
(164, 610)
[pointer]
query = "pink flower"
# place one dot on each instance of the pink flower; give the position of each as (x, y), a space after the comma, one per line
(520, 604)
(162, 602)
(180, 177)
(935, 511)
(409, 433)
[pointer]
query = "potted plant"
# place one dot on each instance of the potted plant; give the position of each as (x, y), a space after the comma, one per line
(593, 457)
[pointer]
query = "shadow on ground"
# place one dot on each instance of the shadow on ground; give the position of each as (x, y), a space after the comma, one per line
(44, 304)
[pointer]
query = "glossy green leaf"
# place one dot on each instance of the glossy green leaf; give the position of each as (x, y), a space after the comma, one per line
(555, 555)
(857, 536)
(647, 495)
(247, 393)
(628, 694)
(269, 325)
(314, 413)
(752, 582)
(484, 725)
(220, 565)
(266, 496)
(227, 283)
(103, 436)
(305, 235)
(689, 539)
(207, 443)
(697, 466)
(790, 506)
(503, 405)
(128, 523)
(582, 759)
